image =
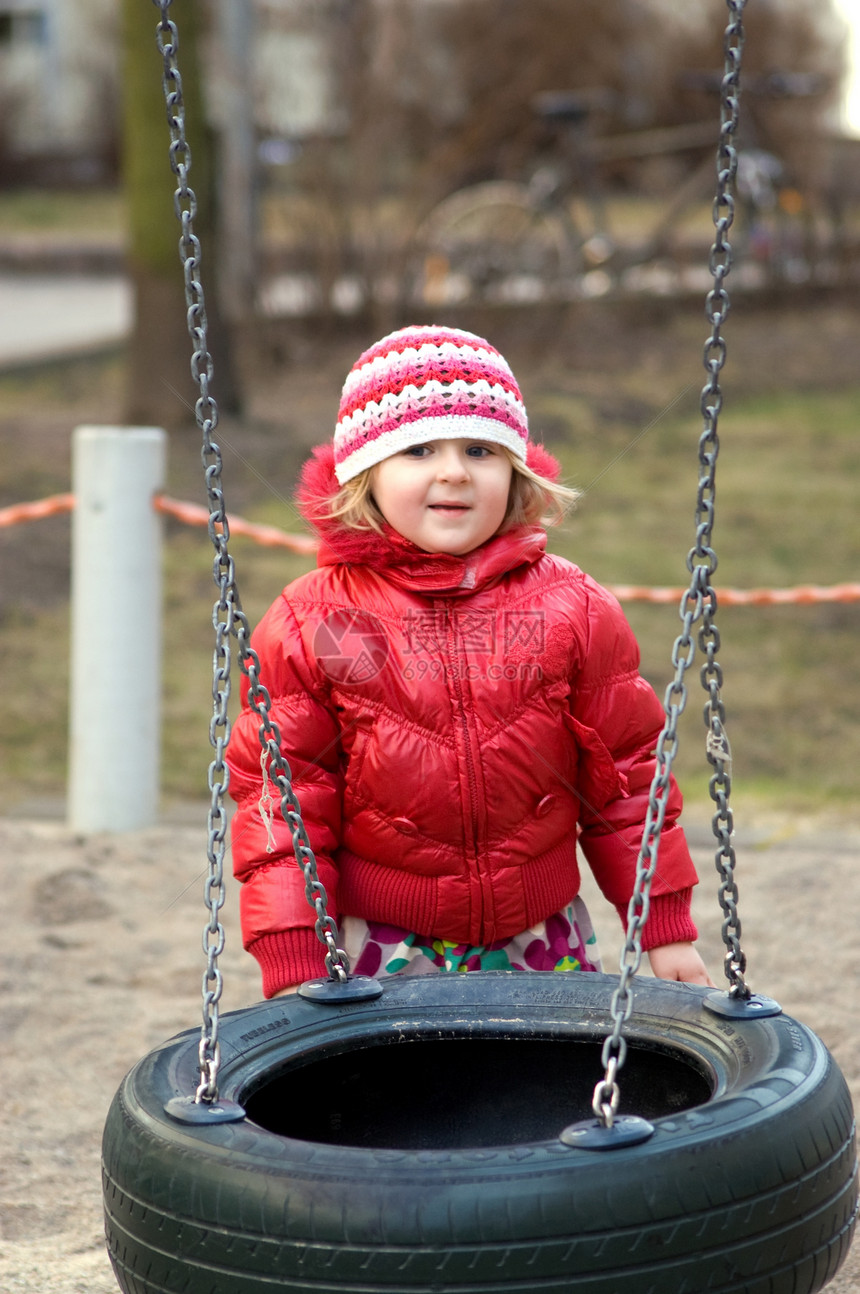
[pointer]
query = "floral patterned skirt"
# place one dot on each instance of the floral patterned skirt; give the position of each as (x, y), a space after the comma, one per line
(564, 942)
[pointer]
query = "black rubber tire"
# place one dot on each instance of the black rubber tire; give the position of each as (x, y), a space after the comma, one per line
(753, 1188)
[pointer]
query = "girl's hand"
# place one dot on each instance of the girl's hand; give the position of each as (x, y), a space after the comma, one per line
(679, 962)
(291, 988)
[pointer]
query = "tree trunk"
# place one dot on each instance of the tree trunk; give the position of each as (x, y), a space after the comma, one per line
(160, 388)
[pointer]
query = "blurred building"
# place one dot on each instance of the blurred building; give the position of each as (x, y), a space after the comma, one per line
(59, 76)
(331, 69)
(58, 90)
(308, 54)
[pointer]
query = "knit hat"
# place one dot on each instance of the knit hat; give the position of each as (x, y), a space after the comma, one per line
(426, 383)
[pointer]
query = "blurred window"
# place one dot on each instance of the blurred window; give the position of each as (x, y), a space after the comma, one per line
(22, 27)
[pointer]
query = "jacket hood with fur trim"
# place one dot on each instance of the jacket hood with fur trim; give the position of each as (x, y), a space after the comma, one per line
(402, 561)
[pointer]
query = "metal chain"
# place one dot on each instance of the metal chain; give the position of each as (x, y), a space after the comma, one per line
(717, 748)
(227, 616)
(699, 602)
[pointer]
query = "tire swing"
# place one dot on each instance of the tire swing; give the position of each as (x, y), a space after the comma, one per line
(322, 1143)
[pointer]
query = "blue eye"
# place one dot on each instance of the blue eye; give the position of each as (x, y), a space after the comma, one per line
(478, 451)
(417, 451)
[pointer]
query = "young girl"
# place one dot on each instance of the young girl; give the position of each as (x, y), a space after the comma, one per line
(458, 708)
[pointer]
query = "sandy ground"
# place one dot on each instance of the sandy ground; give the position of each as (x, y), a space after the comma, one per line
(102, 959)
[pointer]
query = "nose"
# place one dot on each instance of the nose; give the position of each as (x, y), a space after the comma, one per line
(451, 463)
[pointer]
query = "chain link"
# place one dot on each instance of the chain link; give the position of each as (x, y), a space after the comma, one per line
(699, 602)
(718, 749)
(228, 619)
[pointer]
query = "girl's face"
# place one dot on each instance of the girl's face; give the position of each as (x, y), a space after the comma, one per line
(446, 496)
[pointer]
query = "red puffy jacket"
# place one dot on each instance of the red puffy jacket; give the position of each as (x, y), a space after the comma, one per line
(452, 725)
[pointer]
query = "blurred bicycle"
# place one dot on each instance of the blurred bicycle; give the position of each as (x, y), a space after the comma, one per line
(552, 238)
(775, 234)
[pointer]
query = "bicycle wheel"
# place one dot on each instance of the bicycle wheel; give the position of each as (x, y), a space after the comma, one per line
(489, 243)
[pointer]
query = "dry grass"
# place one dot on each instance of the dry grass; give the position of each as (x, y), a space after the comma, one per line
(43, 211)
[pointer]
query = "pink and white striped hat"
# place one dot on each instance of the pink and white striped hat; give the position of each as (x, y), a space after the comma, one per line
(426, 383)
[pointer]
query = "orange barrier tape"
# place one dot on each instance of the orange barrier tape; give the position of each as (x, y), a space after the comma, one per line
(268, 536)
(271, 537)
(801, 594)
(51, 507)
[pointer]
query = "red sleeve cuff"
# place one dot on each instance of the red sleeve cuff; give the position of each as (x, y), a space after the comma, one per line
(669, 920)
(288, 957)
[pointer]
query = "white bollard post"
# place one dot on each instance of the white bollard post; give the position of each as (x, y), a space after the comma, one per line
(115, 687)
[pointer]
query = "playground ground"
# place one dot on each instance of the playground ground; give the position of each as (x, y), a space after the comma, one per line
(102, 961)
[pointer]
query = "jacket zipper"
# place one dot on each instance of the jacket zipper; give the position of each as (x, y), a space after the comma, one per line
(455, 656)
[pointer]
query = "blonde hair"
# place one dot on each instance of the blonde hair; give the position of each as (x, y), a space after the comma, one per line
(533, 500)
